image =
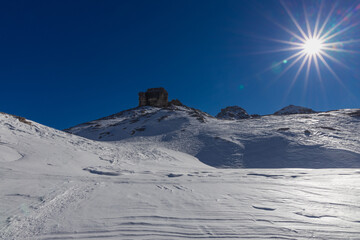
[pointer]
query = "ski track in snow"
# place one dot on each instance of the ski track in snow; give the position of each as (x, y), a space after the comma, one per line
(33, 223)
(219, 204)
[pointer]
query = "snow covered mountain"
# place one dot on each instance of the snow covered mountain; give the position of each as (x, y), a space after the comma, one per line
(319, 140)
(291, 109)
(55, 185)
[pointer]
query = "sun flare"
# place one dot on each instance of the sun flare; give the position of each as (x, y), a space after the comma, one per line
(313, 46)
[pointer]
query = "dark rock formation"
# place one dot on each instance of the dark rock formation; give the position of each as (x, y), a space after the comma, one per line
(175, 102)
(291, 109)
(255, 116)
(21, 119)
(355, 114)
(233, 113)
(155, 97)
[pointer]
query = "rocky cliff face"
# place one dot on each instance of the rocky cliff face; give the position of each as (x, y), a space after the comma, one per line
(155, 97)
(233, 113)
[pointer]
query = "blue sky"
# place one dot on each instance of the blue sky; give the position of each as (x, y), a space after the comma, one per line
(68, 62)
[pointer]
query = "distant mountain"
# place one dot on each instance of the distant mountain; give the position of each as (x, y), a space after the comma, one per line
(291, 109)
(233, 113)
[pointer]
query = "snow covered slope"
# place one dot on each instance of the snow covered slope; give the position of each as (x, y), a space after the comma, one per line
(54, 185)
(320, 140)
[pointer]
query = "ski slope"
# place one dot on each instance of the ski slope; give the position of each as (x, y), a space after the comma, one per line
(55, 185)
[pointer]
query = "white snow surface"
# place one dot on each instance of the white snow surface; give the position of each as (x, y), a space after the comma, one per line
(55, 185)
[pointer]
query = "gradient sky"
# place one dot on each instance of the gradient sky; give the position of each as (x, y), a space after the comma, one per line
(67, 62)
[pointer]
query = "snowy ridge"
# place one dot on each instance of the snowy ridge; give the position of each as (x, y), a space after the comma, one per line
(320, 140)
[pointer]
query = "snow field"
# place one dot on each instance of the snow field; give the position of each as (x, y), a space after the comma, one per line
(54, 185)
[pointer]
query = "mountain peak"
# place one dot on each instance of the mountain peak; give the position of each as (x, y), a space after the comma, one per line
(233, 113)
(292, 109)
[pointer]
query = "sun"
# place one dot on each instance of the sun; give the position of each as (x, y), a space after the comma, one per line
(313, 46)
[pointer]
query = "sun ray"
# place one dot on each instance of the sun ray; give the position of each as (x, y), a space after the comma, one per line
(292, 64)
(307, 22)
(286, 42)
(281, 62)
(338, 33)
(330, 69)
(340, 50)
(307, 72)
(293, 56)
(300, 68)
(317, 68)
(319, 75)
(333, 28)
(333, 59)
(347, 14)
(341, 42)
(326, 21)
(279, 50)
(318, 19)
(294, 20)
(335, 75)
(290, 32)
(296, 76)
(308, 69)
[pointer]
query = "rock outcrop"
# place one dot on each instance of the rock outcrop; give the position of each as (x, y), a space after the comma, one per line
(233, 113)
(175, 102)
(291, 109)
(155, 97)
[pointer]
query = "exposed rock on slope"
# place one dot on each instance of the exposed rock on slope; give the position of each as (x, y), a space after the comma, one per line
(291, 109)
(233, 113)
(355, 114)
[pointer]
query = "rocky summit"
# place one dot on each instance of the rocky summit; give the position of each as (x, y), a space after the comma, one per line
(154, 97)
(291, 109)
(233, 113)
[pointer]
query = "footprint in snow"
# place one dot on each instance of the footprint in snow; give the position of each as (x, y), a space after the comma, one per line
(100, 172)
(172, 175)
(264, 208)
(265, 175)
(314, 216)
